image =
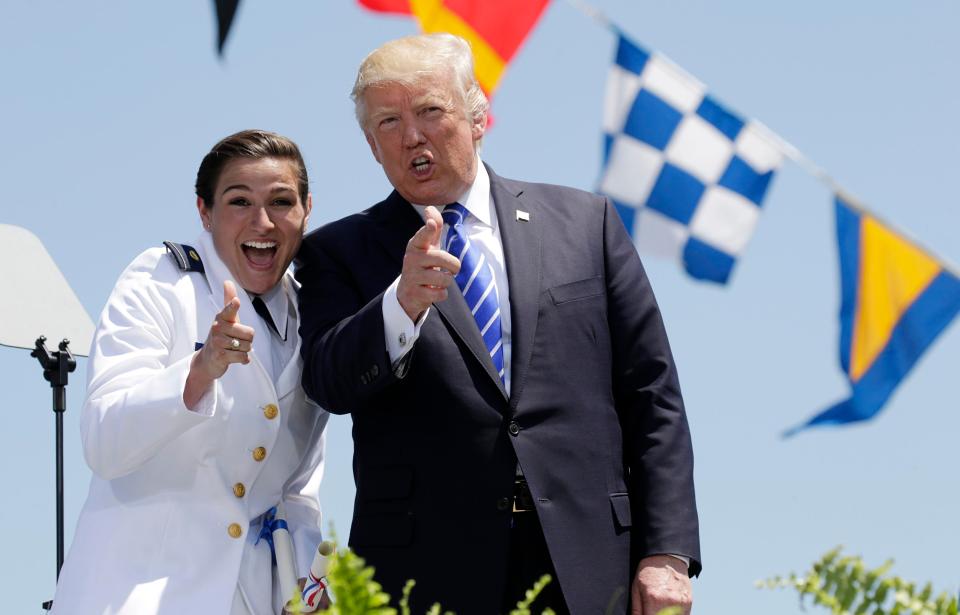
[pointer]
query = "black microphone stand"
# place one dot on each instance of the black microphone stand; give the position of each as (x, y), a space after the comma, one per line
(56, 367)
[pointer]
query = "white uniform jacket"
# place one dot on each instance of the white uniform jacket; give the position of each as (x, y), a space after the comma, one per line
(174, 507)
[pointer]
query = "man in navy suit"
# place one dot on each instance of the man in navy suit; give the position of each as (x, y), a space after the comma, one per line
(516, 409)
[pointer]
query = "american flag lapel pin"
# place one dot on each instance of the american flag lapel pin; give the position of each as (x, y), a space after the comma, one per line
(523, 216)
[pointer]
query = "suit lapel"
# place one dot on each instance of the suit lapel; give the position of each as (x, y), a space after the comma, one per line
(398, 222)
(520, 231)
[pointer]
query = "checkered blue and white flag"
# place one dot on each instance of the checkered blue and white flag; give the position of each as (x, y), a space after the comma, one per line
(687, 175)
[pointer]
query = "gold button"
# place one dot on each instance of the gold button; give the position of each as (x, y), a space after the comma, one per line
(239, 490)
(270, 411)
(234, 530)
(259, 453)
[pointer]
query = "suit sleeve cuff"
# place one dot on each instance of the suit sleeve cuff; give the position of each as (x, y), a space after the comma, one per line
(400, 333)
(682, 558)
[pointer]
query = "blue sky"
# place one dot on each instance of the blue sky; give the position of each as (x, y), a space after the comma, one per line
(108, 108)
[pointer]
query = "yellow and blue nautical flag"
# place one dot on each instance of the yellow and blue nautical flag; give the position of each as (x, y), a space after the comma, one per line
(895, 301)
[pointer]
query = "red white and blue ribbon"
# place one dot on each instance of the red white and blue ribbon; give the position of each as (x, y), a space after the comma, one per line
(316, 584)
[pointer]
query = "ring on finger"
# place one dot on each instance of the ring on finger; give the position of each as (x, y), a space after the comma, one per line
(235, 343)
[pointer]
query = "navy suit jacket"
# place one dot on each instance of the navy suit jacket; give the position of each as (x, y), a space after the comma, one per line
(595, 416)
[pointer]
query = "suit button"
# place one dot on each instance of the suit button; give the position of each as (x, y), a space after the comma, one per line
(239, 490)
(513, 428)
(259, 453)
(234, 530)
(503, 504)
(270, 411)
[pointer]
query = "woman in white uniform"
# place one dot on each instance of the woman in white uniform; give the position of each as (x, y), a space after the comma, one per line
(195, 424)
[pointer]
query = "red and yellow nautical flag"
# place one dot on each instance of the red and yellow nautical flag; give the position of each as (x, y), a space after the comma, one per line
(895, 300)
(495, 29)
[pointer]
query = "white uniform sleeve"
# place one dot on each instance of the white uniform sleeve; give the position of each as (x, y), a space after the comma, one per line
(134, 402)
(301, 498)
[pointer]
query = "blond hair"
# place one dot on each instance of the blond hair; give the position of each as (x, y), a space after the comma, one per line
(410, 59)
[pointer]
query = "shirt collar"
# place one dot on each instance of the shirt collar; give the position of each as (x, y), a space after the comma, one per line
(476, 199)
(277, 304)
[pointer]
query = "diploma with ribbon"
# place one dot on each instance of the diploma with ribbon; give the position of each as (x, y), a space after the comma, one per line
(277, 535)
(316, 585)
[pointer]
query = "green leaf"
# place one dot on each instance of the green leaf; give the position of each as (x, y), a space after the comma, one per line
(355, 592)
(843, 584)
(523, 607)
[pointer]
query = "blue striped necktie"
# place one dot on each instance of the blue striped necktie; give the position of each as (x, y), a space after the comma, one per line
(476, 282)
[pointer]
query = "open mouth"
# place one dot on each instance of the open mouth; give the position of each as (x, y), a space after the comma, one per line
(260, 254)
(421, 166)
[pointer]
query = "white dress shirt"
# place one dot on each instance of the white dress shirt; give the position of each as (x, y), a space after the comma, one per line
(278, 303)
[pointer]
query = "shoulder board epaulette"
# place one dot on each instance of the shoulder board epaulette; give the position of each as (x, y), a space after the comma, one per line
(185, 256)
